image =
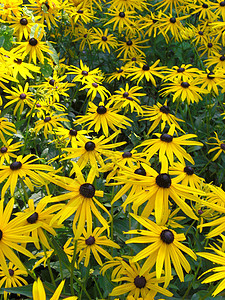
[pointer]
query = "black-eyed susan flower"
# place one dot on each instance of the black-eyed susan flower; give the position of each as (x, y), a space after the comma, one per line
(81, 13)
(42, 217)
(7, 149)
(118, 74)
(91, 151)
(219, 8)
(71, 135)
(204, 10)
(103, 39)
(147, 72)
(50, 123)
(17, 65)
(127, 97)
(12, 234)
(92, 241)
(22, 25)
(103, 116)
(83, 74)
(166, 247)
(219, 145)
(184, 91)
(131, 47)
(96, 89)
(167, 144)
(82, 201)
(210, 46)
(116, 262)
(84, 35)
(24, 169)
(219, 272)
(137, 282)
(6, 128)
(34, 47)
(171, 24)
(128, 4)
(12, 278)
(19, 97)
(215, 200)
(10, 8)
(182, 73)
(156, 190)
(38, 291)
(47, 11)
(210, 80)
(216, 59)
(160, 113)
(186, 175)
(121, 19)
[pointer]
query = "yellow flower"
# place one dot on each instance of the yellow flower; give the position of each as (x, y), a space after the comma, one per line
(103, 39)
(7, 149)
(160, 113)
(121, 19)
(12, 279)
(220, 146)
(93, 242)
(38, 291)
(136, 282)
(23, 168)
(131, 47)
(165, 248)
(12, 234)
(33, 47)
(82, 201)
(50, 123)
(103, 116)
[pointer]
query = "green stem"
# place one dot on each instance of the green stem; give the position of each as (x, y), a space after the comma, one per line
(206, 165)
(72, 268)
(96, 284)
(24, 190)
(193, 280)
(193, 222)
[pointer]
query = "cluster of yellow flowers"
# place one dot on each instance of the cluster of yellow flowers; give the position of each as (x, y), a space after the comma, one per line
(85, 114)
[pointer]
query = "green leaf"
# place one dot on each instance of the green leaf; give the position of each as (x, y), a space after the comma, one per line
(54, 54)
(46, 69)
(25, 290)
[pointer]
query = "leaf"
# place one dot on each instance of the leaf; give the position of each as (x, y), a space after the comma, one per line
(54, 54)
(46, 69)
(25, 290)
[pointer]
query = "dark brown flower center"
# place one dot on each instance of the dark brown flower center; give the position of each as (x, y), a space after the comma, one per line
(140, 171)
(1, 234)
(200, 32)
(94, 84)
(222, 146)
(80, 11)
(89, 146)
(210, 45)
(11, 272)
(33, 218)
(122, 14)
(101, 110)
(33, 42)
(180, 70)
(126, 154)
(18, 61)
(166, 137)
(140, 282)
(222, 58)
(167, 236)
(23, 21)
(23, 96)
(16, 165)
(87, 190)
(189, 170)
(104, 38)
(185, 84)
(173, 20)
(47, 119)
(125, 94)
(204, 5)
(145, 68)
(120, 71)
(73, 132)
(52, 82)
(90, 241)
(163, 180)
(38, 105)
(211, 75)
(84, 73)
(3, 150)
(222, 3)
(165, 109)
(129, 43)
